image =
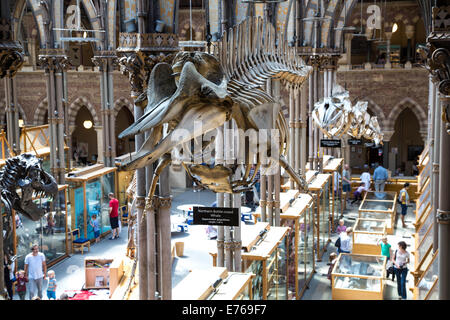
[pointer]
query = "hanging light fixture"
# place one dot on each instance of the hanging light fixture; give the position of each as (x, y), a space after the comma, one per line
(20, 123)
(87, 124)
(394, 27)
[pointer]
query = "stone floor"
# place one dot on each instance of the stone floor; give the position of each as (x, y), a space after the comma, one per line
(70, 272)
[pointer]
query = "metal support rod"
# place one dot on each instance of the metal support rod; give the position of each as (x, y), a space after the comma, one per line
(434, 154)
(60, 126)
(164, 234)
(292, 144)
(310, 121)
(112, 136)
(296, 137)
(303, 116)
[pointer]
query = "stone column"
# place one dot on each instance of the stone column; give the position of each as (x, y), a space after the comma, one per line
(434, 153)
(443, 212)
(106, 62)
(303, 125)
(410, 30)
(292, 144)
(55, 62)
(99, 131)
(388, 64)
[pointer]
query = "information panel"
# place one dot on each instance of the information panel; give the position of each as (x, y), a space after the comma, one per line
(216, 216)
(330, 143)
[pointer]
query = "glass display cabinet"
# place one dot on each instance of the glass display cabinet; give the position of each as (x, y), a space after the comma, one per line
(366, 235)
(300, 244)
(49, 232)
(88, 195)
(427, 287)
(334, 166)
(381, 206)
(205, 285)
(321, 186)
(358, 277)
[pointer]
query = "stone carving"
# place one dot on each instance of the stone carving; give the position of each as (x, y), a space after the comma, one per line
(207, 89)
(24, 172)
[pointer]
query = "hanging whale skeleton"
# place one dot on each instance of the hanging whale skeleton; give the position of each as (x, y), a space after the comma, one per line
(335, 116)
(213, 89)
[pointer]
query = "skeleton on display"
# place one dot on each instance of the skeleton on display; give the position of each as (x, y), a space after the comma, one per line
(24, 172)
(333, 115)
(336, 116)
(201, 88)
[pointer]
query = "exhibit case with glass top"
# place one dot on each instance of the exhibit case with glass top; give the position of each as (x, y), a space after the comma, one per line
(380, 206)
(358, 277)
(49, 232)
(427, 287)
(366, 236)
(321, 186)
(334, 166)
(300, 244)
(88, 195)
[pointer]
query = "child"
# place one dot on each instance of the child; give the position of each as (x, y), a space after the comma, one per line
(94, 224)
(21, 286)
(51, 288)
(386, 251)
(333, 258)
(340, 228)
(358, 193)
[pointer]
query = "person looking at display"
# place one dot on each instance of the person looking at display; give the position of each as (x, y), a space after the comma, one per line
(341, 227)
(346, 182)
(114, 216)
(401, 260)
(365, 177)
(380, 176)
(8, 273)
(346, 241)
(358, 192)
(35, 270)
(404, 201)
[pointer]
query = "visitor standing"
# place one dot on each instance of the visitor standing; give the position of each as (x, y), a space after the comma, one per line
(404, 202)
(35, 270)
(346, 241)
(401, 260)
(51, 287)
(346, 182)
(365, 177)
(380, 176)
(341, 227)
(21, 284)
(8, 269)
(114, 216)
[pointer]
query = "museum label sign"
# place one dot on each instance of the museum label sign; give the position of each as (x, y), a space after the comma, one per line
(216, 216)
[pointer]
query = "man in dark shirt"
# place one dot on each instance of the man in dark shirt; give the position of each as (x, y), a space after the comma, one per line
(114, 216)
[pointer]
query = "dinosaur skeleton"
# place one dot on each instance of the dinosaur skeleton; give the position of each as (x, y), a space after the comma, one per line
(24, 172)
(336, 116)
(202, 88)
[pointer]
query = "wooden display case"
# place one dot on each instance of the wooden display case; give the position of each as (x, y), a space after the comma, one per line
(50, 231)
(366, 234)
(102, 273)
(381, 206)
(266, 259)
(215, 283)
(321, 186)
(300, 244)
(358, 277)
(334, 166)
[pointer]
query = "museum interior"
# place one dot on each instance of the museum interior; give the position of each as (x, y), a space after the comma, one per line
(257, 149)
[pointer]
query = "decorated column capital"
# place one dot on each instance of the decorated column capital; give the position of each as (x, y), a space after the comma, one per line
(11, 52)
(55, 60)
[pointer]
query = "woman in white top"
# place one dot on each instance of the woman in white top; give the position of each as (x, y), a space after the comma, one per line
(365, 177)
(401, 260)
